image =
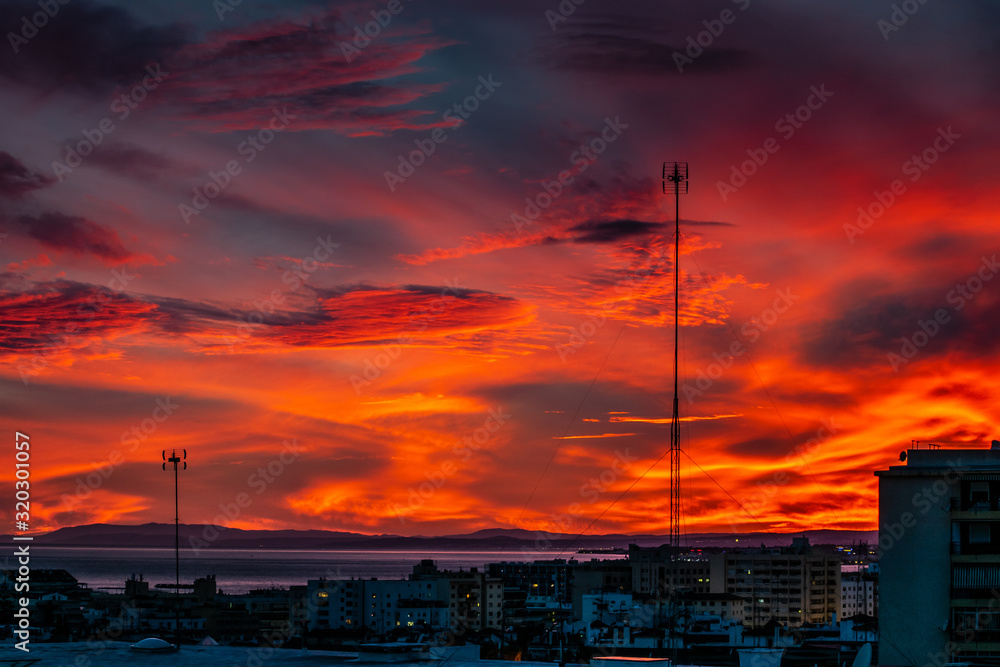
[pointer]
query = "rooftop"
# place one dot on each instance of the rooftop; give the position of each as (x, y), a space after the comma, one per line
(118, 653)
(934, 460)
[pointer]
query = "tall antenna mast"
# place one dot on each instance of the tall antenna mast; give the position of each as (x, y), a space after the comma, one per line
(675, 181)
(177, 457)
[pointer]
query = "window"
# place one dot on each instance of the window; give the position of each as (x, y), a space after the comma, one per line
(979, 533)
(979, 492)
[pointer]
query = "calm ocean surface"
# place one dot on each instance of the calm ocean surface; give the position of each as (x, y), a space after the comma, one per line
(241, 570)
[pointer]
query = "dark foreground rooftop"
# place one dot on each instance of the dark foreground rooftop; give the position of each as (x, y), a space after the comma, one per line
(80, 654)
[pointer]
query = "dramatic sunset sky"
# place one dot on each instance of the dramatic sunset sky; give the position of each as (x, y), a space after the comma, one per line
(426, 353)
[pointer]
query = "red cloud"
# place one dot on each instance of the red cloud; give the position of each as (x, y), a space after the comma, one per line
(59, 321)
(235, 79)
(405, 315)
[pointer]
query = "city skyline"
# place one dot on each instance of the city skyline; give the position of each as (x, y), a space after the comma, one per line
(397, 268)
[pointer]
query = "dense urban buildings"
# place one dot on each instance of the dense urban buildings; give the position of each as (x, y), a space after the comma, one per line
(430, 598)
(791, 585)
(718, 596)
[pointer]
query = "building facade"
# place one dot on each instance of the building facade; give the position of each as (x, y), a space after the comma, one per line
(791, 588)
(430, 598)
(548, 580)
(653, 572)
(859, 593)
(790, 585)
(939, 556)
(376, 605)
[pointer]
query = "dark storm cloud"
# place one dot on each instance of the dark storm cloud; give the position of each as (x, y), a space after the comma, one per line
(75, 234)
(182, 316)
(936, 244)
(775, 447)
(130, 160)
(59, 231)
(957, 389)
(957, 319)
(805, 508)
(84, 46)
(865, 329)
(609, 231)
(836, 402)
(53, 229)
(16, 180)
(341, 317)
(626, 45)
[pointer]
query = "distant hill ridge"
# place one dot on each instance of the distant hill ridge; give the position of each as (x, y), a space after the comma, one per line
(161, 535)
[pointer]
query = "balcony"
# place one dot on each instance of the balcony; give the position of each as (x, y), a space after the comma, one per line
(981, 512)
(977, 496)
